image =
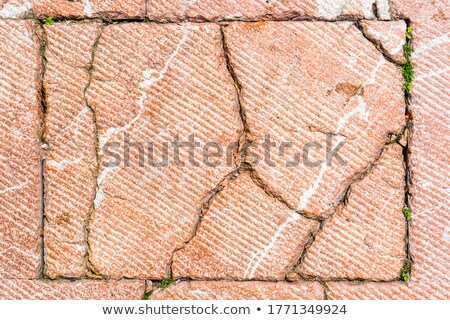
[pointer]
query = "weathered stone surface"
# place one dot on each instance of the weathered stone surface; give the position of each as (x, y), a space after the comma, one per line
(421, 9)
(66, 290)
(365, 239)
(151, 83)
(430, 156)
(351, 9)
(71, 158)
(306, 82)
(245, 234)
(222, 290)
(388, 291)
(388, 35)
(72, 9)
(174, 10)
(20, 204)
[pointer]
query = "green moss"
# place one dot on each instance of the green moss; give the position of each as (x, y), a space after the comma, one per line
(48, 21)
(409, 33)
(165, 283)
(407, 66)
(405, 272)
(407, 213)
(145, 296)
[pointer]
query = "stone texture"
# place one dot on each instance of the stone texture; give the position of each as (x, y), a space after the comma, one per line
(175, 10)
(245, 234)
(151, 83)
(388, 291)
(20, 204)
(66, 290)
(71, 157)
(222, 290)
(302, 82)
(116, 9)
(388, 35)
(430, 222)
(421, 9)
(365, 239)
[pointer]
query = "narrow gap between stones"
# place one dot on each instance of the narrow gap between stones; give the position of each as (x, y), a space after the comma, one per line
(90, 269)
(266, 18)
(407, 66)
(41, 38)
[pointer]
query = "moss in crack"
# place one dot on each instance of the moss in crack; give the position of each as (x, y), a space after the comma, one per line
(407, 213)
(48, 21)
(405, 272)
(407, 66)
(165, 283)
(146, 296)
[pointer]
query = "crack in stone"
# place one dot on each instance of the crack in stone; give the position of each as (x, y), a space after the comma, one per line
(377, 44)
(408, 263)
(41, 39)
(90, 269)
(357, 177)
(202, 210)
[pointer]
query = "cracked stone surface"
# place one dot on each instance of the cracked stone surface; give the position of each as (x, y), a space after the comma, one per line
(82, 216)
(67, 290)
(71, 158)
(245, 234)
(171, 80)
(222, 290)
(317, 78)
(389, 35)
(20, 191)
(365, 238)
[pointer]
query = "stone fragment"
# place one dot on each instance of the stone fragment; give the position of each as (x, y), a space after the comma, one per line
(421, 9)
(388, 291)
(313, 91)
(67, 290)
(113, 9)
(365, 239)
(388, 35)
(174, 10)
(245, 234)
(20, 165)
(251, 290)
(71, 158)
(153, 84)
(430, 154)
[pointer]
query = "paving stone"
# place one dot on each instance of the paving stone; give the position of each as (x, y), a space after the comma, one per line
(174, 10)
(116, 9)
(151, 83)
(421, 9)
(322, 84)
(252, 290)
(71, 290)
(388, 291)
(20, 204)
(365, 239)
(71, 158)
(388, 35)
(245, 234)
(430, 222)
